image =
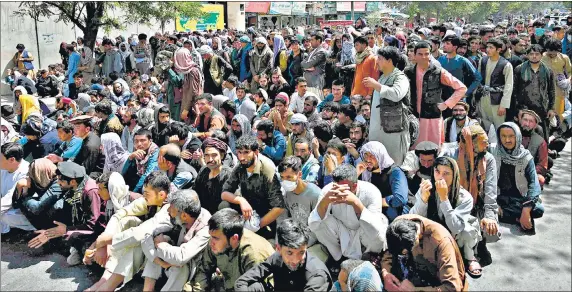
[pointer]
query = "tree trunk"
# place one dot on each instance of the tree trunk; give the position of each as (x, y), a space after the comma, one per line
(94, 13)
(163, 26)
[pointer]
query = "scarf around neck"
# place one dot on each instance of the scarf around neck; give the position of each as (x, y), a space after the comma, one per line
(360, 57)
(472, 177)
(518, 153)
(142, 164)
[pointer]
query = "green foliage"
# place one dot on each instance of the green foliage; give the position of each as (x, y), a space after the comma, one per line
(162, 12)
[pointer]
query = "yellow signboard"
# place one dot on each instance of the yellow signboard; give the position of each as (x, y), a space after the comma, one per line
(213, 19)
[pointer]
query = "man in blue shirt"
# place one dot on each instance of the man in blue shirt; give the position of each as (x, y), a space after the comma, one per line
(272, 143)
(71, 145)
(337, 95)
(73, 65)
(459, 66)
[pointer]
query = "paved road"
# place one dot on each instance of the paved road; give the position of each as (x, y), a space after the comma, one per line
(520, 262)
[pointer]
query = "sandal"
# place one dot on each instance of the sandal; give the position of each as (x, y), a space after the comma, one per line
(474, 269)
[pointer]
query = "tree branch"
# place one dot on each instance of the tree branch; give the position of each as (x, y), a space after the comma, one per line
(66, 12)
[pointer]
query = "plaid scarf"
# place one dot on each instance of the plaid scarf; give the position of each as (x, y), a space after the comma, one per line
(76, 202)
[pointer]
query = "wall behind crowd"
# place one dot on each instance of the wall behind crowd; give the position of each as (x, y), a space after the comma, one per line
(20, 30)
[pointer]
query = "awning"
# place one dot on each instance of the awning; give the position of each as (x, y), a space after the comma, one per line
(257, 7)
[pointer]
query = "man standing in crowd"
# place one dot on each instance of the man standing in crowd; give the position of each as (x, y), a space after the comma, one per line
(497, 84)
(428, 99)
(390, 99)
(315, 64)
(534, 88)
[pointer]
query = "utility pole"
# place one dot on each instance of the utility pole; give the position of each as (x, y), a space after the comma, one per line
(353, 11)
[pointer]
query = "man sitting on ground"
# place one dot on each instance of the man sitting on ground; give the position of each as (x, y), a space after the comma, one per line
(421, 254)
(232, 251)
(348, 218)
(292, 266)
(178, 261)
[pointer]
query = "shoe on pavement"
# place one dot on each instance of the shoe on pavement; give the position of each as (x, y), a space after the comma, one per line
(74, 258)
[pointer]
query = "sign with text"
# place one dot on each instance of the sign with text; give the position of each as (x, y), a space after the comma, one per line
(213, 19)
(280, 8)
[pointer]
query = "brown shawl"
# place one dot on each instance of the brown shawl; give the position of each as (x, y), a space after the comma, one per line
(473, 178)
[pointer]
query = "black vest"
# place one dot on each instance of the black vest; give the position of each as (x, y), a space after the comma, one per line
(432, 92)
(497, 78)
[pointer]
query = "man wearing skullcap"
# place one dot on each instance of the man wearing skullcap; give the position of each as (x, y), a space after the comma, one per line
(82, 218)
(418, 164)
(213, 175)
(299, 127)
(456, 123)
(215, 70)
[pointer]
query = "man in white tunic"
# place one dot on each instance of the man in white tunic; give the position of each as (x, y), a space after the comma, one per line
(348, 218)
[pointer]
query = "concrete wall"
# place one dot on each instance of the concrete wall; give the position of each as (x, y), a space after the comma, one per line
(15, 30)
(236, 15)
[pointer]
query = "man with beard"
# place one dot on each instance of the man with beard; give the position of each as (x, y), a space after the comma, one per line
(299, 129)
(208, 118)
(261, 61)
(81, 219)
(161, 128)
(535, 144)
(348, 218)
(534, 87)
(213, 175)
(478, 175)
(330, 112)
(455, 124)
(293, 266)
(311, 112)
(181, 174)
(178, 261)
(228, 110)
(109, 122)
(142, 161)
(518, 187)
(358, 135)
(507, 53)
(119, 95)
(240, 125)
(418, 164)
(346, 117)
(129, 120)
(232, 251)
(261, 201)
(215, 70)
(379, 169)
(244, 105)
(417, 245)
(270, 141)
(519, 48)
(310, 165)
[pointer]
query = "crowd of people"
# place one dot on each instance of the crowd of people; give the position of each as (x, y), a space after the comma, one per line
(350, 159)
